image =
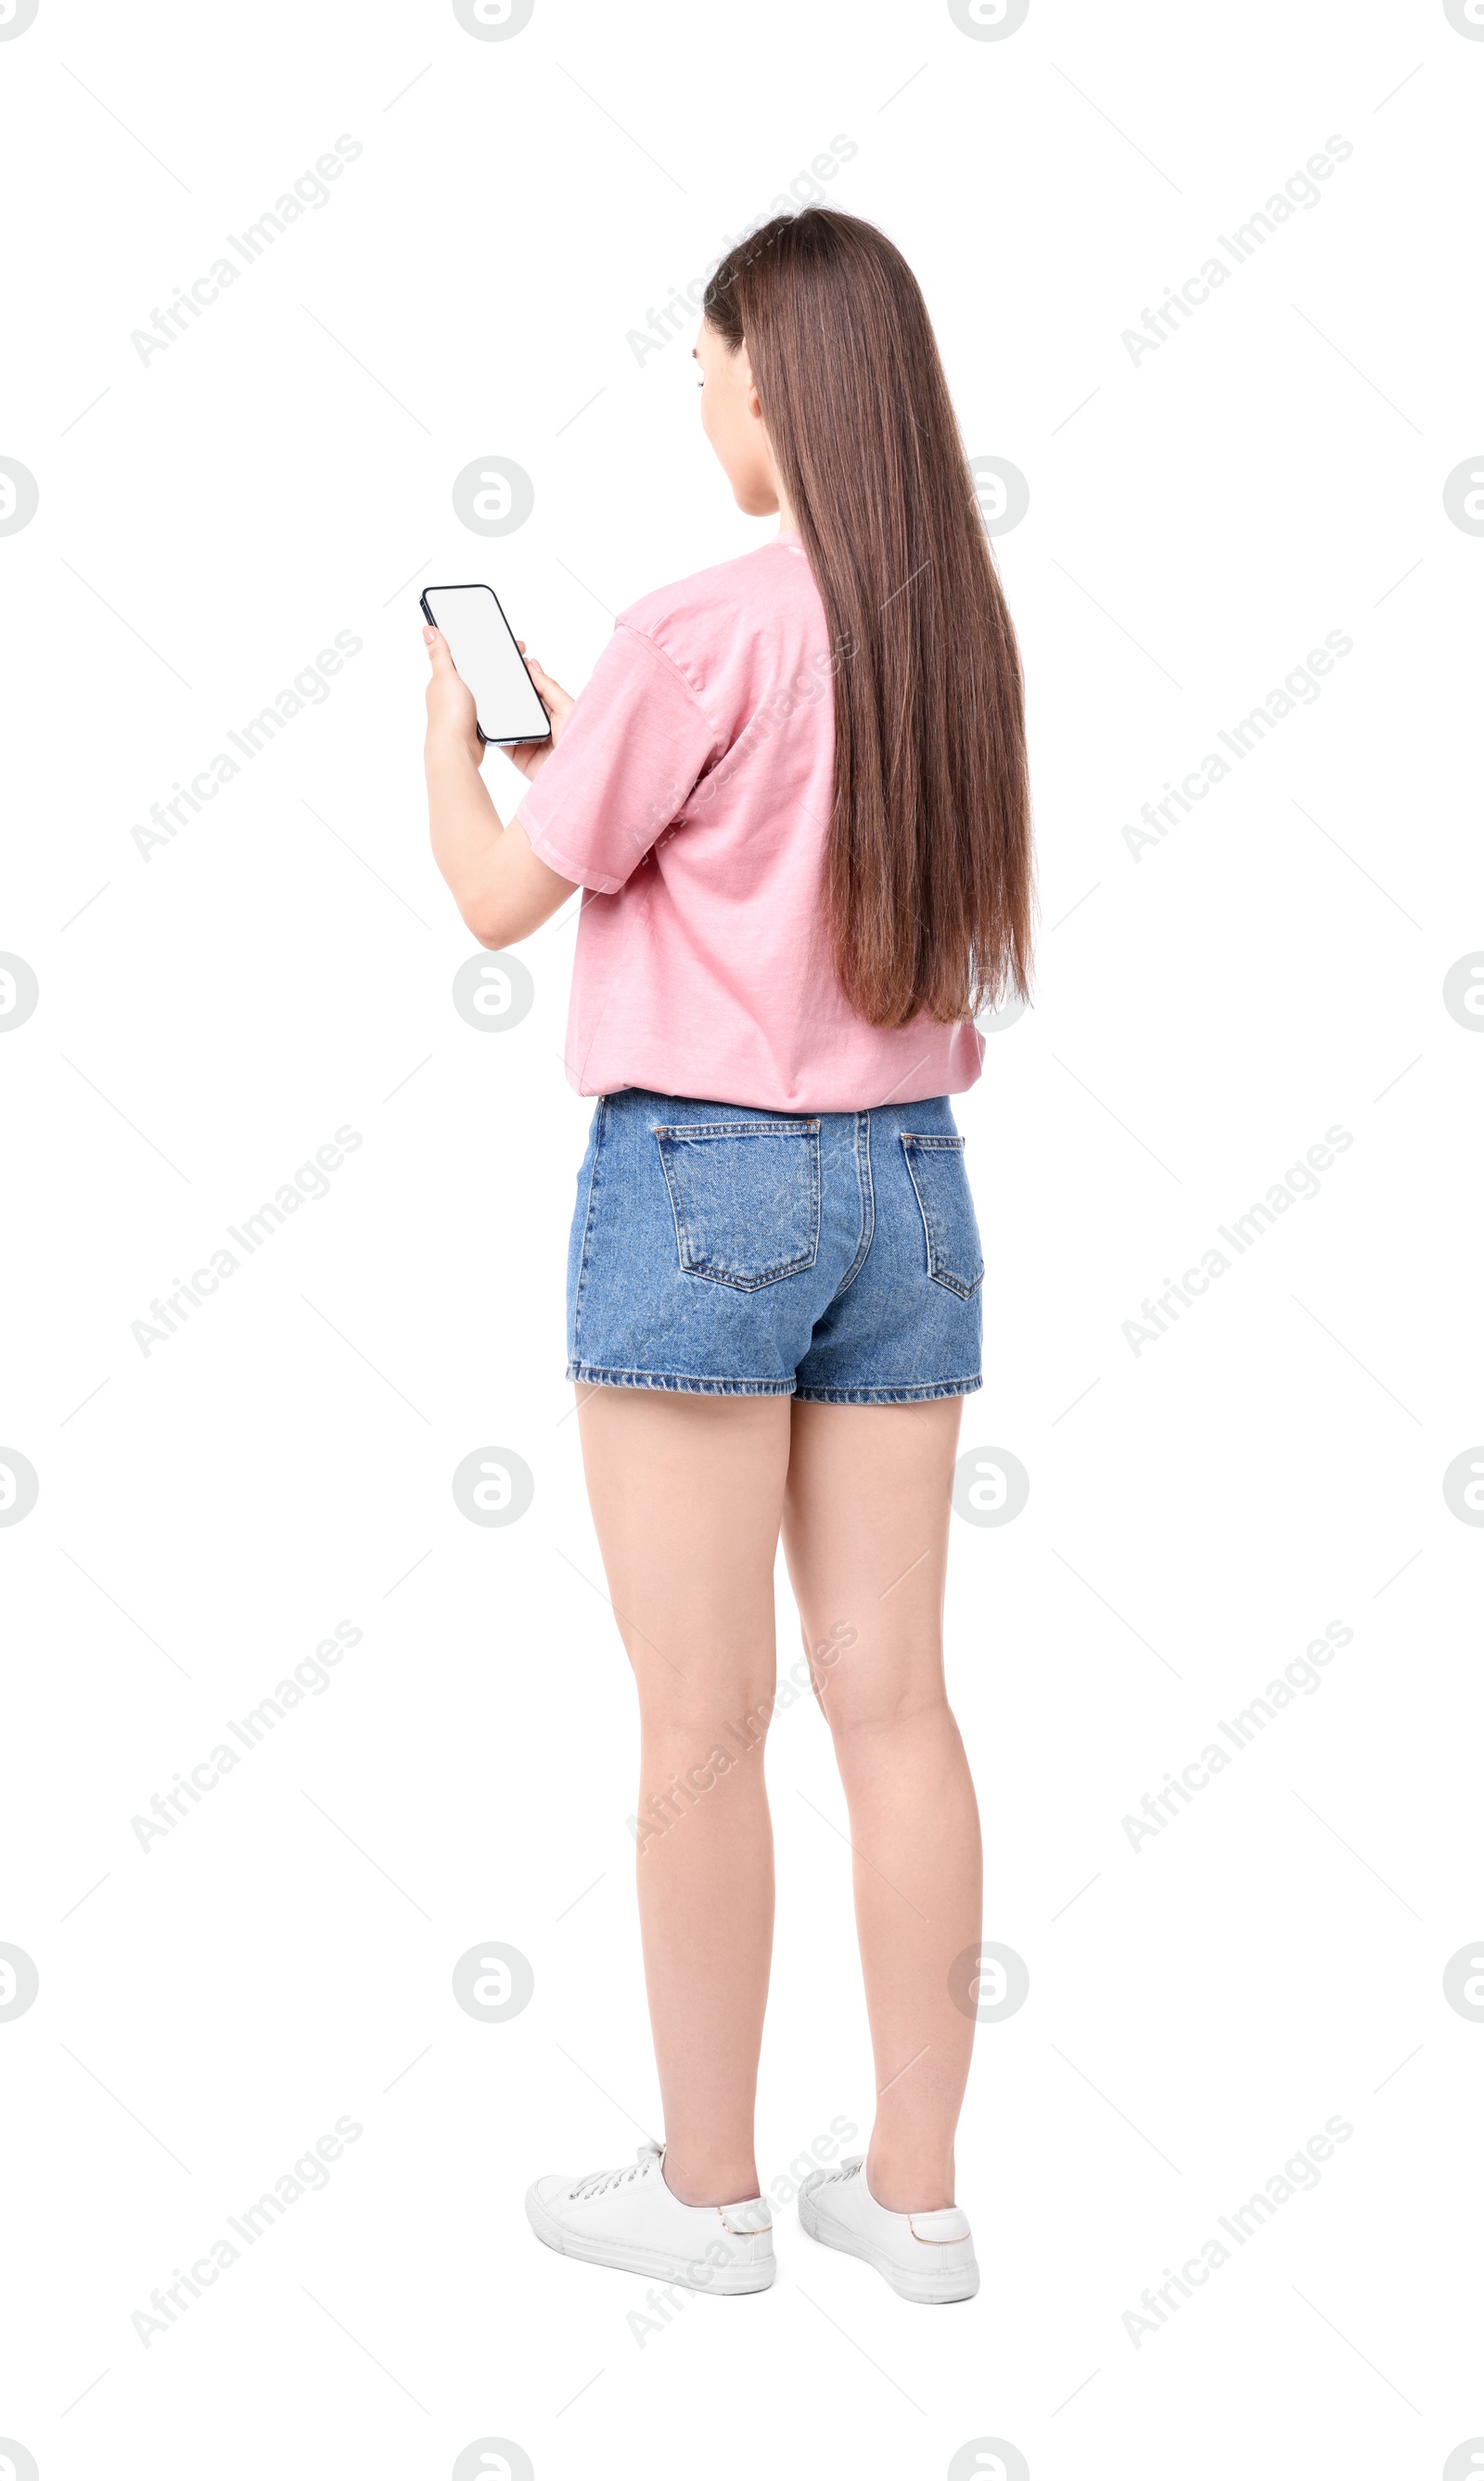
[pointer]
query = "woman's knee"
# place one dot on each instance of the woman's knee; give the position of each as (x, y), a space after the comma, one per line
(873, 1707)
(697, 1720)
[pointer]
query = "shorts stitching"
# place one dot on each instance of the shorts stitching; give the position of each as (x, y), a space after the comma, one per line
(868, 1191)
(593, 1184)
(923, 1394)
(739, 1129)
(673, 1382)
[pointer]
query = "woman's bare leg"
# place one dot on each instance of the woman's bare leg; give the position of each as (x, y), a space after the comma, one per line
(865, 1530)
(687, 1494)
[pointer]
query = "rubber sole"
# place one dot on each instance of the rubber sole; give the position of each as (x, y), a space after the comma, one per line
(926, 2291)
(725, 2281)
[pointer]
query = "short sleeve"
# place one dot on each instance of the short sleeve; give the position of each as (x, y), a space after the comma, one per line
(634, 744)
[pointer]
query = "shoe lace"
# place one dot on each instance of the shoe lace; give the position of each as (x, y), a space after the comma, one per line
(845, 2170)
(598, 2183)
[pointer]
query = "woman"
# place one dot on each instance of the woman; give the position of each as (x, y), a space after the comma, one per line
(796, 791)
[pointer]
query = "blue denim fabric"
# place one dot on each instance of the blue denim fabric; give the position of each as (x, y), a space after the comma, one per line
(722, 1251)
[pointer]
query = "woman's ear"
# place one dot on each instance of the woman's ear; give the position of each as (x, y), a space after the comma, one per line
(753, 401)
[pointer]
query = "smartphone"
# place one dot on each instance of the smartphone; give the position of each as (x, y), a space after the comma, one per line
(487, 660)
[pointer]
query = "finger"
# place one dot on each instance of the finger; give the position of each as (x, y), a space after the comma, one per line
(438, 649)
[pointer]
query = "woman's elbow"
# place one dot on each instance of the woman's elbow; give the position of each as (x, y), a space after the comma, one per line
(490, 927)
(514, 896)
(493, 925)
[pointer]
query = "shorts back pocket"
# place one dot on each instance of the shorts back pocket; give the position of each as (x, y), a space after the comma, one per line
(746, 1196)
(954, 1255)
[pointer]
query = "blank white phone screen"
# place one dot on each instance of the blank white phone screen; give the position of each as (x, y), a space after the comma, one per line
(487, 657)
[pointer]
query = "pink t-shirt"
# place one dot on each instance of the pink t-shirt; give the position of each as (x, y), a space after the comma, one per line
(691, 793)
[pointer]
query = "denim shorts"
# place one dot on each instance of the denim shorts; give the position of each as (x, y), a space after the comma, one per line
(722, 1251)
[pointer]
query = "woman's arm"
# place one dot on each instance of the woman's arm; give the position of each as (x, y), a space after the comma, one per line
(500, 886)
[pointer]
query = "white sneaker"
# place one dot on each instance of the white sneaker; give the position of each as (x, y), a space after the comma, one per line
(630, 2218)
(924, 2256)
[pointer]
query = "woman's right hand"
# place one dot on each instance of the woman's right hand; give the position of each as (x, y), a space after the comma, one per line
(530, 756)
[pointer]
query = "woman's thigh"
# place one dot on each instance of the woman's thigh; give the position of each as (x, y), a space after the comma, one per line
(865, 1532)
(687, 1494)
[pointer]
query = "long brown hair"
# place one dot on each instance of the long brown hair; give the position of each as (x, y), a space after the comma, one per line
(928, 875)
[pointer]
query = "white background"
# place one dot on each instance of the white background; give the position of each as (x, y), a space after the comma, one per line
(1198, 1511)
